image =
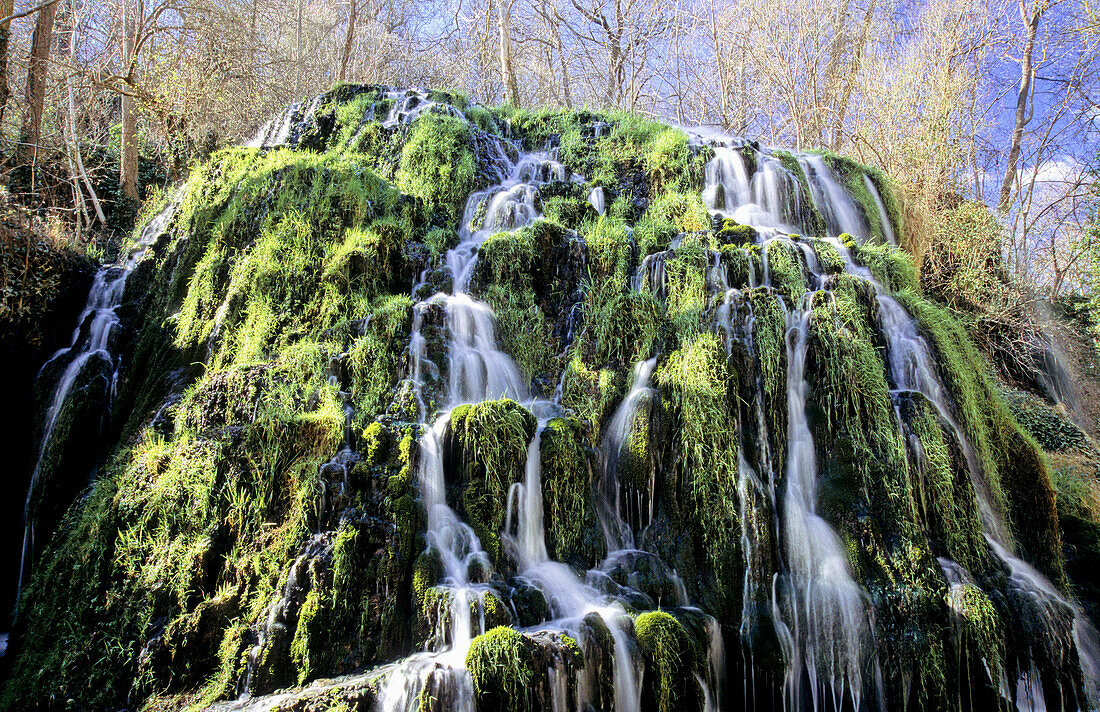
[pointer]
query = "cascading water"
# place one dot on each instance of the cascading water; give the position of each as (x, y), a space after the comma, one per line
(766, 200)
(91, 342)
(478, 371)
(617, 533)
(828, 608)
(830, 630)
(913, 369)
(832, 201)
(806, 623)
(884, 217)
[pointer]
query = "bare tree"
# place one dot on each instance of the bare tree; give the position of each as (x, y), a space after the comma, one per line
(128, 175)
(6, 7)
(507, 72)
(1031, 16)
(349, 38)
(38, 64)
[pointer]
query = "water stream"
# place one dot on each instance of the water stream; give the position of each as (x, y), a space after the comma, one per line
(92, 341)
(797, 590)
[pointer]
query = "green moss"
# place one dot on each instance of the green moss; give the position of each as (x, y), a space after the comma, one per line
(590, 393)
(375, 443)
(374, 356)
(568, 211)
(859, 441)
(566, 478)
(942, 489)
(733, 234)
(492, 608)
(489, 444)
(502, 668)
(668, 159)
(696, 384)
(812, 222)
(686, 299)
(892, 267)
(427, 571)
(785, 270)
(670, 655)
(885, 189)
(311, 624)
(743, 265)
(504, 259)
(769, 329)
(438, 163)
(370, 259)
(654, 233)
(524, 332)
(620, 324)
(827, 257)
(683, 209)
(609, 249)
(976, 616)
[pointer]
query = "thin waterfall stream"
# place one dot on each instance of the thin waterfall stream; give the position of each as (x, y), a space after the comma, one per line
(92, 341)
(609, 435)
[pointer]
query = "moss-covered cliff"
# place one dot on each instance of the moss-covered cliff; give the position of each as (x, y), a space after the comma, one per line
(259, 523)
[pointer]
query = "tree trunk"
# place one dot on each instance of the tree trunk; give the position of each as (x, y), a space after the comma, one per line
(851, 75)
(349, 39)
(6, 9)
(128, 173)
(74, 140)
(37, 71)
(299, 59)
(1022, 116)
(507, 72)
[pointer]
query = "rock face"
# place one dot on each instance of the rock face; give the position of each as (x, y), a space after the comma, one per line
(488, 409)
(42, 288)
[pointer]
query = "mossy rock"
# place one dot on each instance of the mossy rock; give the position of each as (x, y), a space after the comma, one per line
(567, 475)
(502, 666)
(485, 451)
(438, 163)
(671, 658)
(731, 233)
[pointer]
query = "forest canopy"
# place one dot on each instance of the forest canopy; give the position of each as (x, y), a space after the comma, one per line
(986, 100)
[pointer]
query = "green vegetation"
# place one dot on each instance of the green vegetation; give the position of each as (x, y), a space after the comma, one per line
(566, 480)
(502, 667)
(262, 511)
(698, 387)
(438, 164)
(488, 442)
(785, 268)
(670, 655)
(1014, 470)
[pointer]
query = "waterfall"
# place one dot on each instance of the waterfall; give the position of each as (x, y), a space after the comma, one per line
(828, 608)
(807, 624)
(596, 200)
(525, 502)
(839, 209)
(479, 371)
(884, 217)
(727, 180)
(100, 317)
(913, 368)
(617, 532)
(766, 200)
(287, 127)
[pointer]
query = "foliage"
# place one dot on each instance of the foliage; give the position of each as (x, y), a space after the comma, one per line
(502, 667)
(438, 164)
(670, 654)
